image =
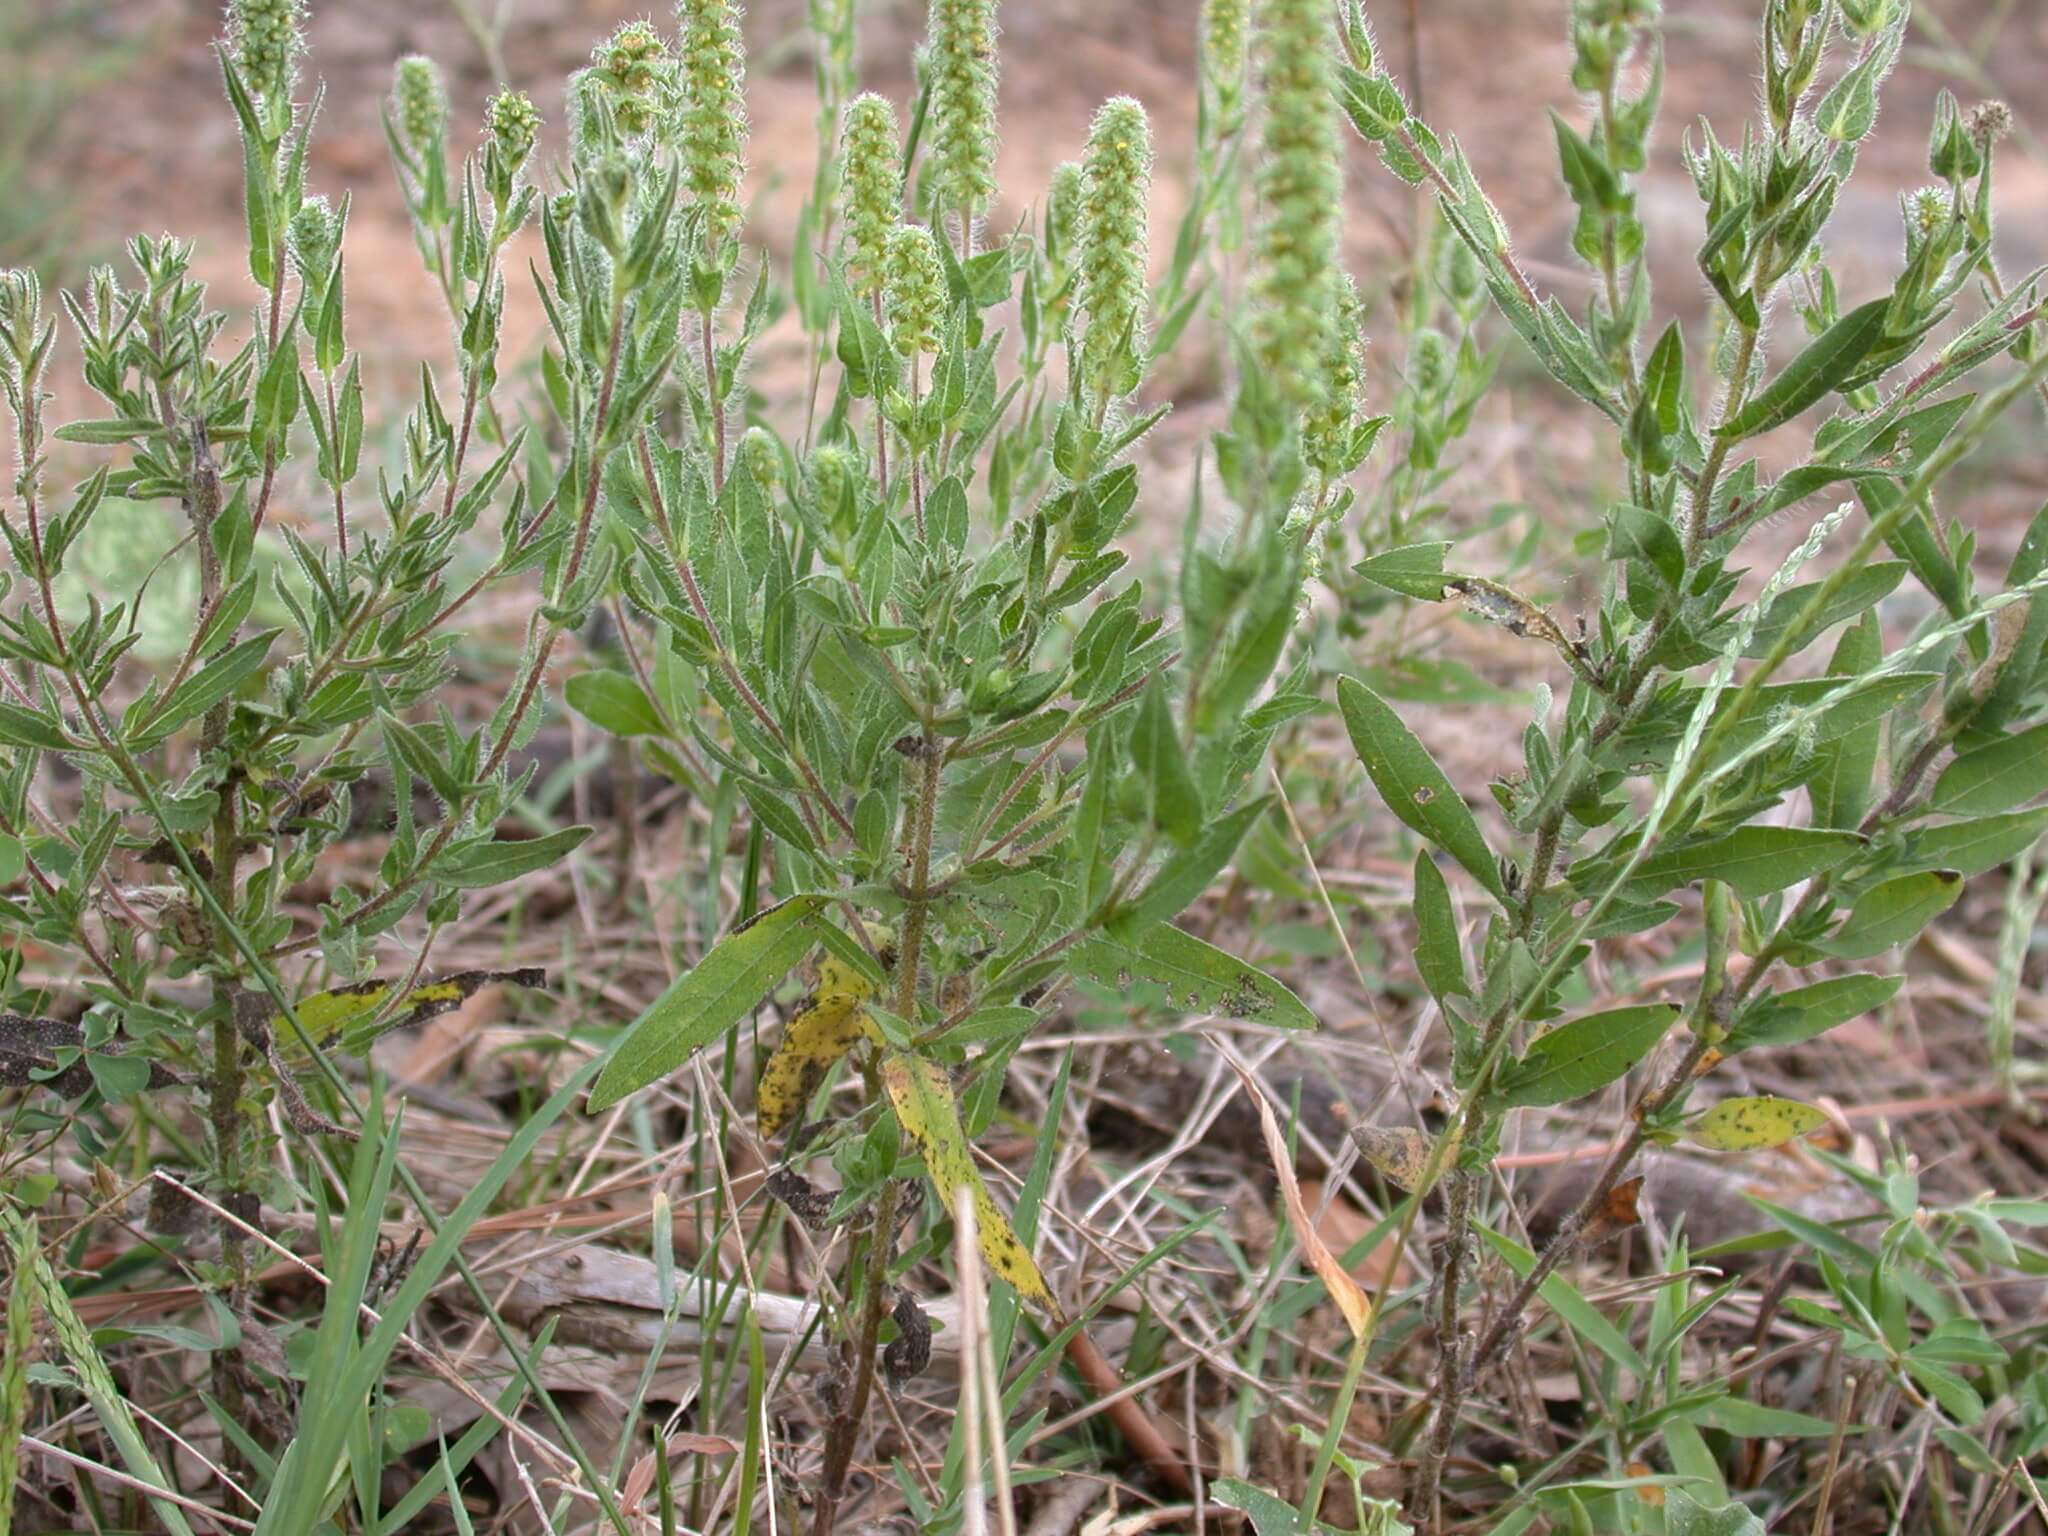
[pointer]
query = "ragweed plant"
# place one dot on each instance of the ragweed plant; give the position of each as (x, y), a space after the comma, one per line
(896, 651)
(204, 784)
(1824, 813)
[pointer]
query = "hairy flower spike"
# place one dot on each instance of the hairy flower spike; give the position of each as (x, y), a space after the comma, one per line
(1302, 189)
(1112, 241)
(312, 238)
(1326, 426)
(268, 37)
(512, 123)
(422, 104)
(1225, 24)
(712, 128)
(960, 59)
(763, 457)
(633, 68)
(1063, 201)
(914, 291)
(871, 186)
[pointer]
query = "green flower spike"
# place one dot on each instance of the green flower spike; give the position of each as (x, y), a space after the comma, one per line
(1112, 243)
(712, 128)
(914, 290)
(1063, 208)
(960, 62)
(513, 124)
(1224, 27)
(1301, 189)
(421, 103)
(763, 458)
(633, 68)
(871, 187)
(1326, 436)
(268, 37)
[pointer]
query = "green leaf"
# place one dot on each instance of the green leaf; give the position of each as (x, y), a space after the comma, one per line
(1579, 1314)
(1439, 957)
(1973, 846)
(1163, 763)
(30, 728)
(614, 702)
(1413, 570)
(1412, 785)
(1752, 860)
(1583, 1056)
(1747, 1124)
(1752, 1421)
(1686, 1516)
(1829, 358)
(720, 990)
(209, 685)
(476, 865)
(1893, 913)
(1865, 589)
(1840, 785)
(1198, 977)
(1791, 1017)
(2008, 772)
(1187, 874)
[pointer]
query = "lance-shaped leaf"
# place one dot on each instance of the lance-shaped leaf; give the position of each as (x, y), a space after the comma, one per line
(1790, 1017)
(2009, 772)
(473, 866)
(1585, 1055)
(1198, 977)
(1892, 913)
(1829, 358)
(705, 1001)
(1187, 874)
(1345, 1291)
(925, 1107)
(823, 1030)
(1748, 1124)
(1412, 785)
(363, 1011)
(1753, 861)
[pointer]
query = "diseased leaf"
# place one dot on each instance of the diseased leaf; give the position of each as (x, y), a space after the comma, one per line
(706, 1000)
(1584, 1055)
(1198, 977)
(925, 1107)
(1412, 785)
(364, 1011)
(818, 1034)
(1746, 1124)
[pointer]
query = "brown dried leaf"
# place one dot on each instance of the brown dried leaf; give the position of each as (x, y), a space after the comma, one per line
(1345, 1291)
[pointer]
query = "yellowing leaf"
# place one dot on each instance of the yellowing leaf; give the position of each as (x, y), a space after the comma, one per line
(1350, 1297)
(924, 1103)
(1743, 1125)
(822, 1031)
(358, 1014)
(1399, 1152)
